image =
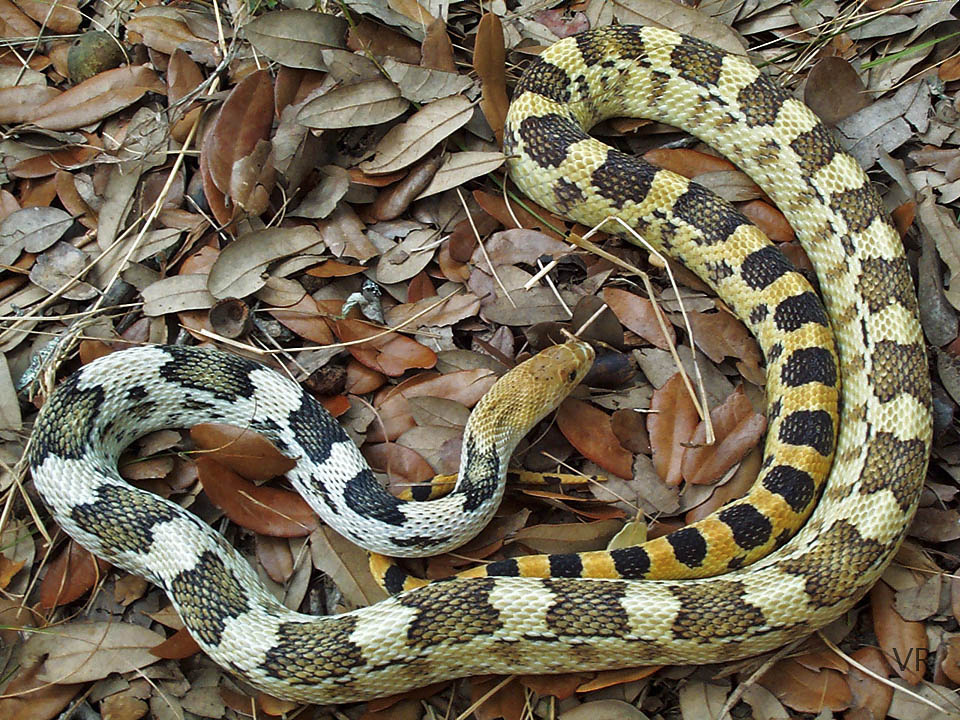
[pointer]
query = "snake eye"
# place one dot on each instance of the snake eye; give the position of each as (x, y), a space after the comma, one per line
(572, 376)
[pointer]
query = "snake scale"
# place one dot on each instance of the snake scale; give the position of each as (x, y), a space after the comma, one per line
(504, 623)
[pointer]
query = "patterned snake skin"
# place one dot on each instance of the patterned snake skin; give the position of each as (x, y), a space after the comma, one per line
(502, 623)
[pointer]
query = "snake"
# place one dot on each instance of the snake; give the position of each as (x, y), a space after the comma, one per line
(844, 460)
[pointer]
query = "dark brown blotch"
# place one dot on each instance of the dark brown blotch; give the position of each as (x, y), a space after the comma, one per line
(715, 611)
(434, 623)
(593, 609)
(895, 465)
(306, 653)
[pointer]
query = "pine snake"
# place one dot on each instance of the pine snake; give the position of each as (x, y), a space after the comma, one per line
(503, 624)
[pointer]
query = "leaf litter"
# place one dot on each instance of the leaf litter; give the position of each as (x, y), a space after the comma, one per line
(277, 160)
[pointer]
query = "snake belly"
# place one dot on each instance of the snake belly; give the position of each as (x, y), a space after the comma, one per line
(526, 624)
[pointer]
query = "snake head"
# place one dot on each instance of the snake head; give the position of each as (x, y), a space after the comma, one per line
(531, 390)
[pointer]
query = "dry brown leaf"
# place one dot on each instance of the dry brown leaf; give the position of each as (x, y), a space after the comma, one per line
(638, 314)
(239, 271)
(903, 643)
(265, 510)
(771, 221)
(403, 465)
(834, 90)
(178, 646)
(15, 23)
(588, 430)
(672, 421)
(243, 121)
(869, 693)
(244, 451)
(721, 335)
(807, 690)
(559, 686)
(536, 217)
(393, 408)
(97, 98)
(391, 353)
(19, 104)
(738, 428)
(368, 36)
(61, 17)
(568, 537)
(71, 574)
(296, 38)
(28, 698)
(275, 557)
(689, 163)
(306, 320)
(168, 35)
(608, 709)
(506, 702)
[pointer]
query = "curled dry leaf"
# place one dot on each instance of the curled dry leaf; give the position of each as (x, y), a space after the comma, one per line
(392, 202)
(738, 428)
(588, 429)
(489, 60)
(672, 421)
(244, 451)
(97, 98)
(19, 104)
(266, 510)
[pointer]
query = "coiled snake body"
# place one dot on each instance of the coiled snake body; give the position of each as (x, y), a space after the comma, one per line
(541, 625)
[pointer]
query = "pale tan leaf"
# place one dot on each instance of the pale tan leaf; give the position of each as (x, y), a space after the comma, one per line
(240, 269)
(346, 565)
(458, 168)
(296, 38)
(175, 294)
(365, 103)
(409, 141)
(81, 652)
